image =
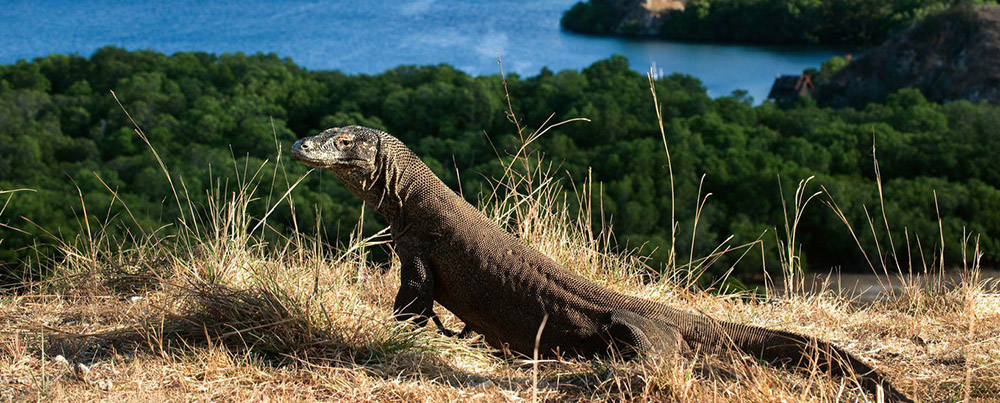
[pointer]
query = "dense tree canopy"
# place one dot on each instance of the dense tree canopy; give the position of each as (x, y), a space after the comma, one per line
(61, 131)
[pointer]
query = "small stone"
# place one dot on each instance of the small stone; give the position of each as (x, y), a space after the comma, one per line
(104, 385)
(82, 371)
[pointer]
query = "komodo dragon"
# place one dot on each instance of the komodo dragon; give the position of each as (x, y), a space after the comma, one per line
(450, 252)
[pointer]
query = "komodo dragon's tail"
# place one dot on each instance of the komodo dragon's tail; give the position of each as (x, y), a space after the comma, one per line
(783, 348)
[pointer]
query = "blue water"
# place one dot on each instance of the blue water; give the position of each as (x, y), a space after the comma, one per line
(371, 36)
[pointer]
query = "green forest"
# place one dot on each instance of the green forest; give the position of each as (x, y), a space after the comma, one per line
(63, 135)
(848, 22)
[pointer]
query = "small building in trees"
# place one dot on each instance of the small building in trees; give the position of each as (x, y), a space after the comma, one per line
(788, 88)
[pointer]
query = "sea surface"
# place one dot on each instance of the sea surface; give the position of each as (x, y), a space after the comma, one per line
(370, 36)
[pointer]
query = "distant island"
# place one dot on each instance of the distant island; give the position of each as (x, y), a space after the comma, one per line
(949, 56)
(954, 55)
(847, 22)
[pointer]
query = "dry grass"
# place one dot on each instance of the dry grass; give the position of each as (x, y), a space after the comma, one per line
(227, 310)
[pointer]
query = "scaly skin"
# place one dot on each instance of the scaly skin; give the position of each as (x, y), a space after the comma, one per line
(502, 288)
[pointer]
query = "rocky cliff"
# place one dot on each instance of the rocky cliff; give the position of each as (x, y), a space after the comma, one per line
(621, 17)
(949, 56)
(645, 16)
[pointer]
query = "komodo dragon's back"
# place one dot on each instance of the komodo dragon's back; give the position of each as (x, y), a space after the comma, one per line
(502, 288)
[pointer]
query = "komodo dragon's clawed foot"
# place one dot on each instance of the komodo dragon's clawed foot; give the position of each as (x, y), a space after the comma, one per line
(445, 331)
(632, 334)
(464, 334)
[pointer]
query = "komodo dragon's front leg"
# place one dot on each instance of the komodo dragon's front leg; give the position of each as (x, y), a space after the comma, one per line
(415, 298)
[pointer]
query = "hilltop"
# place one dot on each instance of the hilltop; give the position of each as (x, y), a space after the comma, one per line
(221, 312)
(950, 56)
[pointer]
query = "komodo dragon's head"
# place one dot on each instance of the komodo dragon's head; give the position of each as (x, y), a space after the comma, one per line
(340, 149)
(372, 164)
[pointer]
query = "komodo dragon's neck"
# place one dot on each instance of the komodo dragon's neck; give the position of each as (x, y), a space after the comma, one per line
(402, 185)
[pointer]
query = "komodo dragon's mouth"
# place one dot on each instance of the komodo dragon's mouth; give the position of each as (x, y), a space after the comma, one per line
(305, 159)
(325, 162)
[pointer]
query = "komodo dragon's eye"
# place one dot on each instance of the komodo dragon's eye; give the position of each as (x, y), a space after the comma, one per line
(343, 141)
